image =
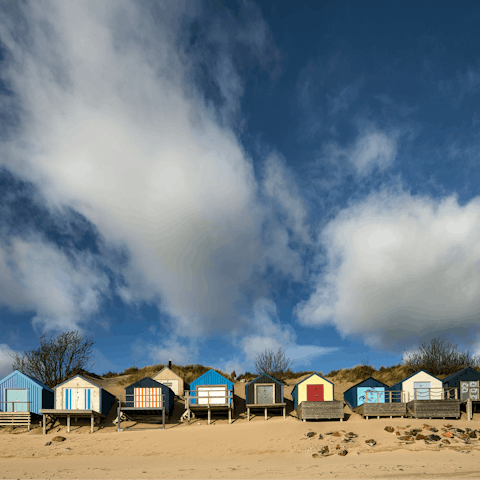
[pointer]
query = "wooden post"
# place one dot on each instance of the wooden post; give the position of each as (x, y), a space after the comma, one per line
(119, 410)
(229, 416)
(265, 413)
(163, 418)
(68, 423)
(44, 424)
(469, 409)
(92, 421)
(284, 411)
(456, 393)
(248, 414)
(209, 413)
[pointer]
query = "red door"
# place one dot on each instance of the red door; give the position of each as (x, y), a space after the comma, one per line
(314, 393)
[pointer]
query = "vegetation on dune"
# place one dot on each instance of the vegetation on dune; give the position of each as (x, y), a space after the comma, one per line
(187, 372)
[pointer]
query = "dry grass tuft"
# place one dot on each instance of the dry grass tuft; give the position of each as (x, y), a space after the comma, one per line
(188, 372)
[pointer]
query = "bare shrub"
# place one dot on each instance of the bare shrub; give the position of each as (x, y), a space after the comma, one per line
(275, 364)
(57, 359)
(439, 357)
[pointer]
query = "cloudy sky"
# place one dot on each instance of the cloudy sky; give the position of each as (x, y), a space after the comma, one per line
(202, 180)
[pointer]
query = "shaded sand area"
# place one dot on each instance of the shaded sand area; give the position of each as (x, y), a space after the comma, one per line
(277, 448)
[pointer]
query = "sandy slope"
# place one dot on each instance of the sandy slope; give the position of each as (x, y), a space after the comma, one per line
(276, 448)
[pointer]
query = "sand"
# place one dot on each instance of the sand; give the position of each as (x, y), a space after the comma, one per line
(276, 448)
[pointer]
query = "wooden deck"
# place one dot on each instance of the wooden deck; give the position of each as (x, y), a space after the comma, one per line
(395, 409)
(320, 410)
(16, 419)
(434, 408)
(271, 406)
(54, 413)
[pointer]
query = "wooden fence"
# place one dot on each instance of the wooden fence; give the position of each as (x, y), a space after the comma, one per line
(438, 393)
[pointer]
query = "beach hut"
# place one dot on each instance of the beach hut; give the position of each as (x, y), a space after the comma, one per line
(466, 381)
(146, 398)
(264, 392)
(370, 390)
(21, 396)
(371, 398)
(210, 391)
(148, 393)
(424, 395)
(420, 385)
(313, 398)
(167, 377)
(79, 397)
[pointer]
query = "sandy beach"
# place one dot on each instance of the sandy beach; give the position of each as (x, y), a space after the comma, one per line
(276, 448)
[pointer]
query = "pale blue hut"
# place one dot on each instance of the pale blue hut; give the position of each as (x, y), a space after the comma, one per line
(22, 393)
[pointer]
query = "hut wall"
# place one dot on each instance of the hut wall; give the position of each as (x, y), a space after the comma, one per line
(178, 383)
(209, 378)
(351, 395)
(468, 374)
(38, 396)
(77, 382)
(107, 400)
(409, 383)
(263, 379)
(150, 383)
(301, 390)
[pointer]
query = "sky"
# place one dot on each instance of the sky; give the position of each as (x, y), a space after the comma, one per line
(202, 180)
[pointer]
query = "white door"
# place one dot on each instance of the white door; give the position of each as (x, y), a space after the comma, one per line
(216, 395)
(78, 398)
(173, 384)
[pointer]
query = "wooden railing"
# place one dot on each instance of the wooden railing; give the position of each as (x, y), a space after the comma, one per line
(439, 393)
(228, 398)
(374, 396)
(12, 404)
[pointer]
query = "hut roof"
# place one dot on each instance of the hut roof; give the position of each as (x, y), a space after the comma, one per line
(149, 381)
(28, 377)
(308, 378)
(363, 381)
(212, 373)
(413, 374)
(266, 375)
(75, 376)
(166, 368)
(453, 375)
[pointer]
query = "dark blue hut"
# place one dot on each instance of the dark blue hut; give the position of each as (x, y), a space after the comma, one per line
(467, 381)
(26, 393)
(148, 393)
(357, 395)
(264, 390)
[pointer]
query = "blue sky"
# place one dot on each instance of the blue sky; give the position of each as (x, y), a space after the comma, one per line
(204, 180)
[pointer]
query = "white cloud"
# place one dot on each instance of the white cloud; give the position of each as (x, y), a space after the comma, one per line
(5, 360)
(174, 348)
(37, 276)
(111, 126)
(399, 267)
(282, 189)
(373, 149)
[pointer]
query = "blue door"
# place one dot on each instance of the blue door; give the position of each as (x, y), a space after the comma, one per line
(422, 389)
(372, 394)
(17, 395)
